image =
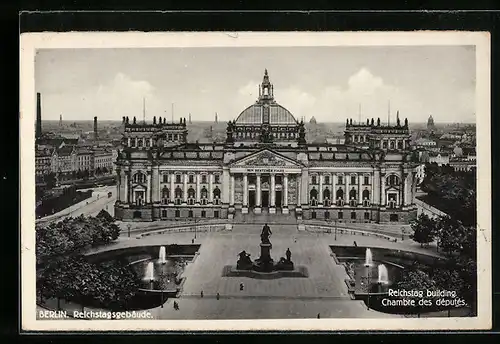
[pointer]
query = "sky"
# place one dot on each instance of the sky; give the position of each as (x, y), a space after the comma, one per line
(329, 83)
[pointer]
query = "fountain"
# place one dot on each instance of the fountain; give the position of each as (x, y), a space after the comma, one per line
(149, 275)
(162, 256)
(383, 275)
(368, 258)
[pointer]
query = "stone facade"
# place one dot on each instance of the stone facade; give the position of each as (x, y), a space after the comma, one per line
(372, 178)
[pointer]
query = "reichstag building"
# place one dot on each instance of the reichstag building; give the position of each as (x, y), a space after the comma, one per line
(266, 166)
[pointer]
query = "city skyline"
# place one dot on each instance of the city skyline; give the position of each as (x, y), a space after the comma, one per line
(353, 82)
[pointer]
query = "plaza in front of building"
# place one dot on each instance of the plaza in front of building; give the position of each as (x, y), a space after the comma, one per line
(323, 292)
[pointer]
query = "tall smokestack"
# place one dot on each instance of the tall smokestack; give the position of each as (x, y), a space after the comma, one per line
(95, 127)
(38, 115)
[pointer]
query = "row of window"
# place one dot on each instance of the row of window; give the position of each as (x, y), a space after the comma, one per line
(340, 215)
(164, 214)
(339, 203)
(178, 192)
(366, 216)
(340, 180)
(353, 194)
(191, 178)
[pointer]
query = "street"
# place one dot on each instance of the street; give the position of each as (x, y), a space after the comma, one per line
(90, 207)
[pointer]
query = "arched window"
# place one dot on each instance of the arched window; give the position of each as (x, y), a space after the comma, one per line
(326, 194)
(191, 193)
(313, 194)
(204, 192)
(352, 194)
(165, 193)
(139, 177)
(340, 194)
(178, 192)
(393, 180)
(216, 192)
(366, 194)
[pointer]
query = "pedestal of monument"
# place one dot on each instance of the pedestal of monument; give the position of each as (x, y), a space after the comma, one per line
(265, 262)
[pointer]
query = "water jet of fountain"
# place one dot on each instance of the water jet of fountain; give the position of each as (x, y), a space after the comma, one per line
(162, 256)
(383, 274)
(150, 272)
(368, 258)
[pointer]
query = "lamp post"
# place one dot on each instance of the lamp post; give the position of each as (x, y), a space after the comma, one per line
(335, 229)
(368, 284)
(128, 227)
(402, 233)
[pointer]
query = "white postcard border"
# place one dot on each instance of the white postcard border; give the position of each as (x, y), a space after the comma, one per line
(30, 42)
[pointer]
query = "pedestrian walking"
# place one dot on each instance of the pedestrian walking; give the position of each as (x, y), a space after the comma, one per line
(242, 286)
(318, 316)
(217, 296)
(201, 294)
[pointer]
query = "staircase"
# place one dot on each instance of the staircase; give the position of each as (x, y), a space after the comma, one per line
(265, 217)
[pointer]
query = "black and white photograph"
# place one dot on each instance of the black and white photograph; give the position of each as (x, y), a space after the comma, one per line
(290, 181)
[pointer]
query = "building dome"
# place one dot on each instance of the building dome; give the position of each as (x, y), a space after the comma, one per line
(266, 110)
(254, 115)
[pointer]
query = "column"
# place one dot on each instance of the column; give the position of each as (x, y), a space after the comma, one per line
(245, 190)
(211, 188)
(285, 190)
(172, 186)
(226, 184)
(127, 181)
(150, 142)
(272, 208)
(144, 142)
(119, 185)
(136, 142)
(155, 185)
(405, 189)
(360, 191)
(128, 142)
(304, 192)
(347, 181)
(320, 191)
(258, 195)
(382, 191)
(198, 188)
(185, 191)
(148, 193)
(299, 190)
(334, 188)
(376, 187)
(231, 192)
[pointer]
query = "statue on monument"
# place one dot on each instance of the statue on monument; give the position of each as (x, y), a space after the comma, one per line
(265, 234)
(288, 254)
(244, 261)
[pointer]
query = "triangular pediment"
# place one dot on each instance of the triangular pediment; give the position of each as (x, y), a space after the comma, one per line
(266, 158)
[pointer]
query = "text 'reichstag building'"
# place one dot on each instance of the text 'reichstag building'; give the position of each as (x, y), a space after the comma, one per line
(267, 166)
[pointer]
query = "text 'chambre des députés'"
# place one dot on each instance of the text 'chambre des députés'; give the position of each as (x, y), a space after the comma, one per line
(422, 298)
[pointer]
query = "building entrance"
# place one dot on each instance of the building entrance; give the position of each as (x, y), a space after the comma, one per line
(278, 199)
(265, 199)
(251, 198)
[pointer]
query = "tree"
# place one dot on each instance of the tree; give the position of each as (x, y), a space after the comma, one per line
(50, 179)
(451, 234)
(415, 279)
(424, 229)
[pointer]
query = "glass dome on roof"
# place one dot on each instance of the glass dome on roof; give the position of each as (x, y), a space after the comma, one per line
(254, 114)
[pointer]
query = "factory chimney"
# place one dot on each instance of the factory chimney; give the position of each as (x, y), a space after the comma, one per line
(95, 128)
